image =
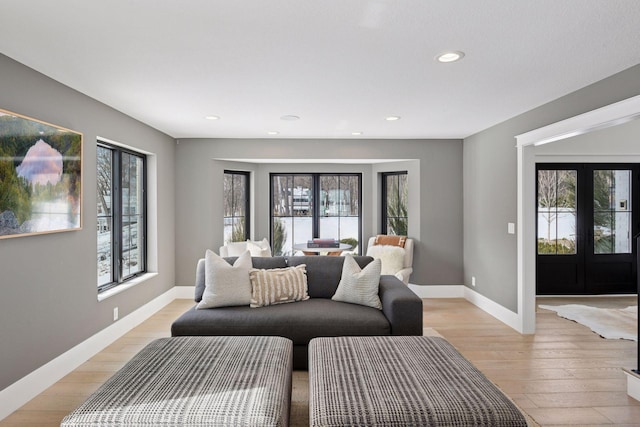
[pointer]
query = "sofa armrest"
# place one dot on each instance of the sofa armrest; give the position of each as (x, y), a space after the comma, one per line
(401, 306)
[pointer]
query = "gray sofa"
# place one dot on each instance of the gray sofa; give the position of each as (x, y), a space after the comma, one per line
(319, 316)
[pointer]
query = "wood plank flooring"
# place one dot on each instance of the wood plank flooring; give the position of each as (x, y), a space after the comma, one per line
(562, 375)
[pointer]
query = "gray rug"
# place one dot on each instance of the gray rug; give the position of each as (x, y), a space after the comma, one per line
(610, 323)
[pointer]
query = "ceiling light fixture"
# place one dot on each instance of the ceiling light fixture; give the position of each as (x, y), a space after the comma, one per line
(273, 132)
(451, 56)
(392, 118)
(212, 117)
(290, 118)
(356, 133)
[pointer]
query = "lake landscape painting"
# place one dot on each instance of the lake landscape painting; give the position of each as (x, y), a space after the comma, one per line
(40, 177)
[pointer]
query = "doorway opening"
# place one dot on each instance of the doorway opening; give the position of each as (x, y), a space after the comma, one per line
(587, 217)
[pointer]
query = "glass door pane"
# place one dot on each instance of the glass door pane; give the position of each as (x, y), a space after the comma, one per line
(557, 219)
(612, 211)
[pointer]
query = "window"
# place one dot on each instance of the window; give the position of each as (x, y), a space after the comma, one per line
(121, 214)
(304, 206)
(395, 219)
(557, 208)
(236, 206)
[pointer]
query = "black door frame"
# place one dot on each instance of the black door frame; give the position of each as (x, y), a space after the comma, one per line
(587, 273)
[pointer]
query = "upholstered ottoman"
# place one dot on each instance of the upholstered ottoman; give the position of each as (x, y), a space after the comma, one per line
(401, 381)
(196, 381)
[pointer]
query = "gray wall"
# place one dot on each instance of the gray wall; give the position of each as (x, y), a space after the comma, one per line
(48, 301)
(490, 184)
(435, 207)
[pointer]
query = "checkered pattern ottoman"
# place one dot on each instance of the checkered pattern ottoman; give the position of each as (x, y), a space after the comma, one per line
(401, 381)
(196, 381)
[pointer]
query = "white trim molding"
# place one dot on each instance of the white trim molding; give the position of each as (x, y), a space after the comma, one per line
(633, 384)
(607, 116)
(491, 307)
(438, 291)
(28, 387)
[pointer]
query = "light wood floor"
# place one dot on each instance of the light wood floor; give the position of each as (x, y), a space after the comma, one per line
(562, 375)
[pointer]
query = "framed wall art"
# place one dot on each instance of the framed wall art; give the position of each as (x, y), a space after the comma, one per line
(40, 177)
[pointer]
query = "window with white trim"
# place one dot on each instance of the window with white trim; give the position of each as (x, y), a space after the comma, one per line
(121, 215)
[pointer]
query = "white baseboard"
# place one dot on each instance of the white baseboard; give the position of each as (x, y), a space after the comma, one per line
(633, 384)
(504, 315)
(183, 292)
(433, 291)
(28, 387)
(460, 291)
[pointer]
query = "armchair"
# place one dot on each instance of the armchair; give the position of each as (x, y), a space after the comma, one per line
(394, 261)
(260, 248)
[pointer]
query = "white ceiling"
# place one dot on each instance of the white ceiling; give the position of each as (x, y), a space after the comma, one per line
(341, 66)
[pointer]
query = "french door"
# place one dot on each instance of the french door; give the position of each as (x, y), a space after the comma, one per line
(587, 216)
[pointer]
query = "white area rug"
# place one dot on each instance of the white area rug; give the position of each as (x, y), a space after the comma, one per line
(611, 323)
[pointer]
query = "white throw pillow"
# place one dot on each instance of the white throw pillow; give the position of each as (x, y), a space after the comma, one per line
(226, 285)
(392, 257)
(259, 248)
(359, 286)
(236, 248)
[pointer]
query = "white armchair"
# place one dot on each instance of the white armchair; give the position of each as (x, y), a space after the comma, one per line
(396, 260)
(260, 248)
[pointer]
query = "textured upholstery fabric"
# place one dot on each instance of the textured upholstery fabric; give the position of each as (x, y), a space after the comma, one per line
(401, 381)
(196, 381)
(300, 321)
(278, 285)
(226, 285)
(319, 316)
(359, 285)
(400, 306)
(268, 262)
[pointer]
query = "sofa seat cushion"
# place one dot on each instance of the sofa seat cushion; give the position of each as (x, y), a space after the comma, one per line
(300, 321)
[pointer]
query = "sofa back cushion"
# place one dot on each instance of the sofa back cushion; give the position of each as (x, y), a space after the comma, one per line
(257, 262)
(324, 272)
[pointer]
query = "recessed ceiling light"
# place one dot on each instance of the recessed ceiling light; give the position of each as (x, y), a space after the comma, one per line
(212, 117)
(451, 56)
(356, 133)
(392, 118)
(290, 118)
(273, 132)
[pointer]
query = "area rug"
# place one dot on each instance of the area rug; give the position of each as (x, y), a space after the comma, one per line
(610, 323)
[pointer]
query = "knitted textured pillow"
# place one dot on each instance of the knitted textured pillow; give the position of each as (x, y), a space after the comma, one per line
(359, 286)
(278, 285)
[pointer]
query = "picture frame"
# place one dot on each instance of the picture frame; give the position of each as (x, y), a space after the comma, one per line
(40, 177)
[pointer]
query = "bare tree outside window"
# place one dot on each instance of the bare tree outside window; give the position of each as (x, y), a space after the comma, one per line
(236, 206)
(395, 217)
(557, 211)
